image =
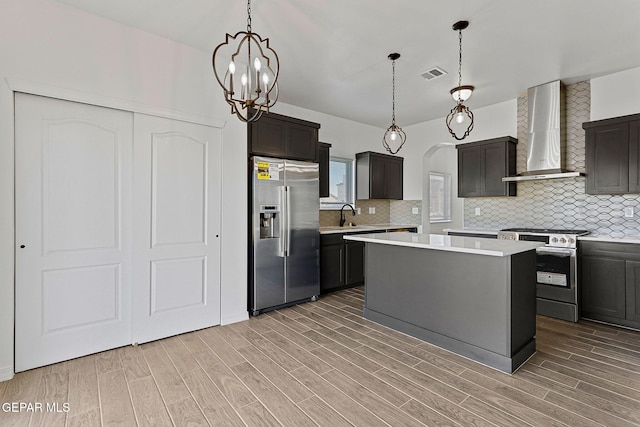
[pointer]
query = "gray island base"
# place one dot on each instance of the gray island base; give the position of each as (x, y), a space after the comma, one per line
(472, 296)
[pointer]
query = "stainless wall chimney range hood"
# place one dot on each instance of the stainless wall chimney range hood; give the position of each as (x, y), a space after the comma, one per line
(545, 134)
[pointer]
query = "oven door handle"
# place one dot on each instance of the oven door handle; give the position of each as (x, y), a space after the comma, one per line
(557, 252)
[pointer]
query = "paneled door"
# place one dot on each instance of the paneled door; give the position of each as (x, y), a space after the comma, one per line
(73, 229)
(177, 185)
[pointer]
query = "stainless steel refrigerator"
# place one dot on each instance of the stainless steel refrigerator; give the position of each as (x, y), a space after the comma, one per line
(285, 239)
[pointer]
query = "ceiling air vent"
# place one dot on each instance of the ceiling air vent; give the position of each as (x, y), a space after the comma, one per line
(432, 73)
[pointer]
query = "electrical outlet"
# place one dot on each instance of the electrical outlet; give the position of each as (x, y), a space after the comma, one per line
(358, 211)
(372, 210)
(415, 211)
(478, 211)
(628, 212)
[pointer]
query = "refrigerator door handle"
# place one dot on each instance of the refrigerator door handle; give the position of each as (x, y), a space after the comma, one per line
(281, 240)
(287, 192)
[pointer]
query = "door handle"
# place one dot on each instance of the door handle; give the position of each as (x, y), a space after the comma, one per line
(288, 207)
(282, 213)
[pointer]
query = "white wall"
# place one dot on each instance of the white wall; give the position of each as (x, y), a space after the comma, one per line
(346, 136)
(48, 43)
(489, 122)
(615, 94)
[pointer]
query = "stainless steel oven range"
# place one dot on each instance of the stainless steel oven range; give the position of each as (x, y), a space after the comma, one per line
(556, 269)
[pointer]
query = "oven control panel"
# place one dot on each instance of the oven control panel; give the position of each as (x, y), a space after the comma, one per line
(562, 241)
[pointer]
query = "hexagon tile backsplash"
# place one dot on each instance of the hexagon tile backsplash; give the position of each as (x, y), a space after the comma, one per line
(557, 203)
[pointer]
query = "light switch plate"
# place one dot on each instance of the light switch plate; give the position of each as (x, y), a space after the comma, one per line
(628, 212)
(415, 211)
(372, 210)
(358, 211)
(478, 211)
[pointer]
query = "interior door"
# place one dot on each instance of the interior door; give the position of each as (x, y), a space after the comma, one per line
(73, 227)
(177, 191)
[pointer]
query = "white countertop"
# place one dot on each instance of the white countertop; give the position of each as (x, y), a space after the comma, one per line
(471, 245)
(364, 227)
(609, 238)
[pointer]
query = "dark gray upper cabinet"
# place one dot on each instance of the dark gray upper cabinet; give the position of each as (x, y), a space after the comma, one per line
(378, 176)
(323, 161)
(612, 155)
(483, 164)
(284, 137)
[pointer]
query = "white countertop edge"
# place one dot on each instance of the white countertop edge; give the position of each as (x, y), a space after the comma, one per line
(470, 245)
(613, 239)
(471, 230)
(363, 227)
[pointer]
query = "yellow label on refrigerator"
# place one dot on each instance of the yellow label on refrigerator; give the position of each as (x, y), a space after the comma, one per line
(268, 171)
(263, 170)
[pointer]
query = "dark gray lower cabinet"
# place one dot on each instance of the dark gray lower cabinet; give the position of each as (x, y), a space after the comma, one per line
(610, 282)
(603, 287)
(633, 291)
(331, 267)
(354, 263)
(341, 263)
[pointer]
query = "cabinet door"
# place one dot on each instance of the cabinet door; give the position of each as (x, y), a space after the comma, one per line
(331, 267)
(268, 137)
(354, 262)
(323, 162)
(393, 178)
(494, 166)
(301, 142)
(634, 157)
(603, 287)
(377, 178)
(469, 172)
(607, 159)
(633, 290)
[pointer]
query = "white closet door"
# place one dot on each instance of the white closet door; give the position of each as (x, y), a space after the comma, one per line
(177, 224)
(73, 228)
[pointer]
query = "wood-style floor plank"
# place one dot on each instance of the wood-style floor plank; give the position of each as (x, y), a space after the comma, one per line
(273, 399)
(217, 410)
(323, 364)
(83, 385)
(186, 413)
(168, 379)
(147, 402)
(115, 401)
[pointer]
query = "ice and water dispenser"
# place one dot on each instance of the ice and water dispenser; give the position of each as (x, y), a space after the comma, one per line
(269, 221)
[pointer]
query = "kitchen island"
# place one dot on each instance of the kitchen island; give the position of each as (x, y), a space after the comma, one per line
(473, 296)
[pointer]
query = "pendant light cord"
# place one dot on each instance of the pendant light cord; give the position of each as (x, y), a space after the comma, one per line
(393, 93)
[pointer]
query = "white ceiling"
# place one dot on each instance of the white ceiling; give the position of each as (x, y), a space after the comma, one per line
(333, 53)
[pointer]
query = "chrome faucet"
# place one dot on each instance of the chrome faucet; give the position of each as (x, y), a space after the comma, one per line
(342, 218)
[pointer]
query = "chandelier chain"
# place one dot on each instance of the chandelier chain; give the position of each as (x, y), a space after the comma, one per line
(459, 62)
(393, 93)
(248, 16)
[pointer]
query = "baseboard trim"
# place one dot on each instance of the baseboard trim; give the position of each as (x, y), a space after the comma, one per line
(235, 319)
(6, 373)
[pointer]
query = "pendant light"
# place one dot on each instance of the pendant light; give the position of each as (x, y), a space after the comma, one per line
(247, 70)
(394, 136)
(460, 113)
